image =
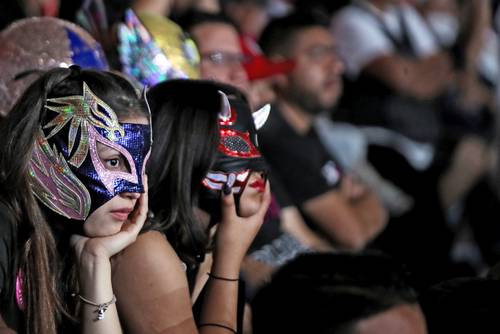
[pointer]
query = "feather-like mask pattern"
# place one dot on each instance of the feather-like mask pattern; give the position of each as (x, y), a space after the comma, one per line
(54, 184)
(66, 172)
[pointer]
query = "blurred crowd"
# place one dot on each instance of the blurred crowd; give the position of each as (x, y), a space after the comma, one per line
(381, 145)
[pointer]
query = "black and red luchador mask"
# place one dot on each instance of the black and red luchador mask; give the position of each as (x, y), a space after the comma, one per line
(238, 154)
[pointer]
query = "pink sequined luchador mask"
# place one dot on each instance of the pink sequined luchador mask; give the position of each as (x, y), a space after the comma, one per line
(65, 170)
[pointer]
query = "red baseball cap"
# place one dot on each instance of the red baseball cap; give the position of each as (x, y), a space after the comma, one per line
(257, 65)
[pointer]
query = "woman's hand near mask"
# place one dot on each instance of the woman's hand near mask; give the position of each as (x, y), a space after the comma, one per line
(235, 234)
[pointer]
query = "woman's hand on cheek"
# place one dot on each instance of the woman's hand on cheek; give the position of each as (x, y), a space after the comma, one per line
(235, 234)
(106, 247)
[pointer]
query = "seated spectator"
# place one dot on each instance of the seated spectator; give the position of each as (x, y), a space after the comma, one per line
(396, 76)
(339, 294)
(391, 58)
(469, 107)
(343, 209)
(185, 150)
(395, 62)
(222, 59)
(217, 39)
(89, 202)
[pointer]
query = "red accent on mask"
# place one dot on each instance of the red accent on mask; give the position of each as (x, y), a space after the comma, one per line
(237, 144)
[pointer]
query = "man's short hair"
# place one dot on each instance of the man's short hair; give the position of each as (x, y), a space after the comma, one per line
(330, 292)
(258, 3)
(279, 34)
(195, 18)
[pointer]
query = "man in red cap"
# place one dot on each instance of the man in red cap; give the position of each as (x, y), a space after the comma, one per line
(229, 58)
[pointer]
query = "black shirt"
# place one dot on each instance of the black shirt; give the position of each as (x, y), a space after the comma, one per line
(300, 163)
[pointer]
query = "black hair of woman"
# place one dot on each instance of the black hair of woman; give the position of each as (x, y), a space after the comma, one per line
(185, 121)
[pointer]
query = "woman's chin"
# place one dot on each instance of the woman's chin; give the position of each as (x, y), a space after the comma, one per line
(111, 228)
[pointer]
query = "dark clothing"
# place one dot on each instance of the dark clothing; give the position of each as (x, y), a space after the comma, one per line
(420, 238)
(300, 162)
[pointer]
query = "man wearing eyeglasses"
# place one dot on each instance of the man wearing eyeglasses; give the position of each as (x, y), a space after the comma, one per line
(218, 43)
(334, 203)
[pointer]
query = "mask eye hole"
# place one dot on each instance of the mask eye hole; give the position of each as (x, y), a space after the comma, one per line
(112, 159)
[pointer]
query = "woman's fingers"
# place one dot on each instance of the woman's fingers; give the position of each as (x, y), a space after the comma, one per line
(133, 226)
(228, 205)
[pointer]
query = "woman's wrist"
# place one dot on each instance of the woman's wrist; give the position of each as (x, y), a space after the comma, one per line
(95, 276)
(224, 266)
(90, 262)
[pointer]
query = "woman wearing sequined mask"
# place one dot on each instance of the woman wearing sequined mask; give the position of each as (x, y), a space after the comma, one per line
(192, 121)
(73, 195)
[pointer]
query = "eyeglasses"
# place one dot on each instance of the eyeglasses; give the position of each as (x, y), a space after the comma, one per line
(321, 51)
(224, 58)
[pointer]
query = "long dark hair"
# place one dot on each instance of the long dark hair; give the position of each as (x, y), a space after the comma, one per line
(185, 124)
(184, 114)
(37, 255)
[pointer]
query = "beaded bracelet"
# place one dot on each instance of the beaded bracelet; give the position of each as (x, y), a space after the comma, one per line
(218, 325)
(101, 308)
(222, 278)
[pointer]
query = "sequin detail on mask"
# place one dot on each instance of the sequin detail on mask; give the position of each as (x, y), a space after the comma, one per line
(153, 49)
(54, 184)
(106, 176)
(80, 121)
(83, 112)
(146, 159)
(136, 144)
(21, 304)
(237, 144)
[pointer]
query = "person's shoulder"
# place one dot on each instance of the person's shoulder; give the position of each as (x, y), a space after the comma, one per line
(150, 255)
(277, 130)
(151, 243)
(275, 123)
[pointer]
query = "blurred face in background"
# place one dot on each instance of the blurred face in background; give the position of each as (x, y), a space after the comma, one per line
(221, 55)
(315, 84)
